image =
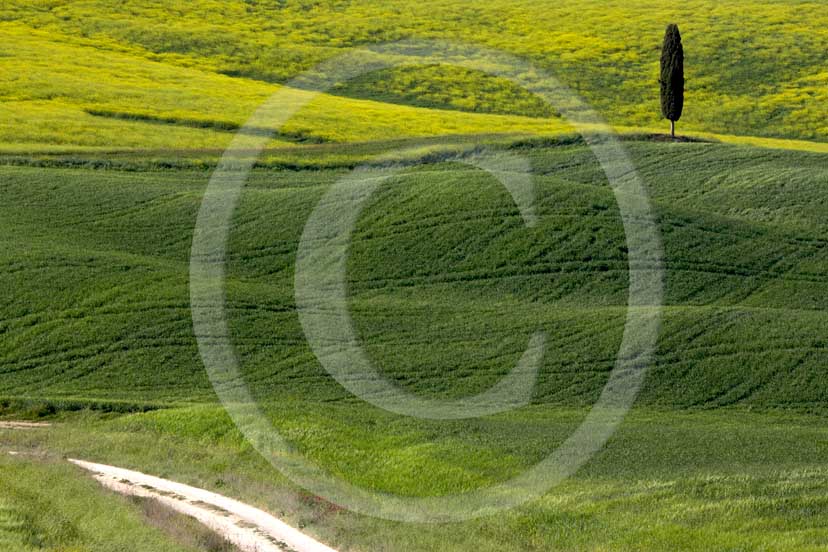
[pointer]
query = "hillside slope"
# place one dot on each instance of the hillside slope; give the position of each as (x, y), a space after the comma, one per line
(74, 73)
(446, 282)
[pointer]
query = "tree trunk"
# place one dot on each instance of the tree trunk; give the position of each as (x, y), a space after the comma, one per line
(673, 129)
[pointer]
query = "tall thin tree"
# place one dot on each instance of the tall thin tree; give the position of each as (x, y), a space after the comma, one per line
(672, 77)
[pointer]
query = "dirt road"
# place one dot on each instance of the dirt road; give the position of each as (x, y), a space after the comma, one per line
(249, 528)
(22, 425)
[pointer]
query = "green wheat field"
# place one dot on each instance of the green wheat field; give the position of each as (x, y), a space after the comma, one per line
(113, 116)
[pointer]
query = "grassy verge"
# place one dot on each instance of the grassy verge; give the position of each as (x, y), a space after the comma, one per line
(181, 528)
(713, 480)
(50, 505)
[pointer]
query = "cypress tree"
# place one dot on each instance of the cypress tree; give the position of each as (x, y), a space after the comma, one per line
(672, 77)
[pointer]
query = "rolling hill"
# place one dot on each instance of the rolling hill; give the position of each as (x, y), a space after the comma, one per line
(114, 115)
(446, 283)
(97, 75)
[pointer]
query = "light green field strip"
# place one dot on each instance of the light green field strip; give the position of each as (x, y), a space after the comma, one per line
(773, 143)
(754, 141)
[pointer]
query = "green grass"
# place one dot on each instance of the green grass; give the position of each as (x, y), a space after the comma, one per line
(183, 529)
(444, 279)
(50, 505)
(716, 480)
(112, 118)
(446, 285)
